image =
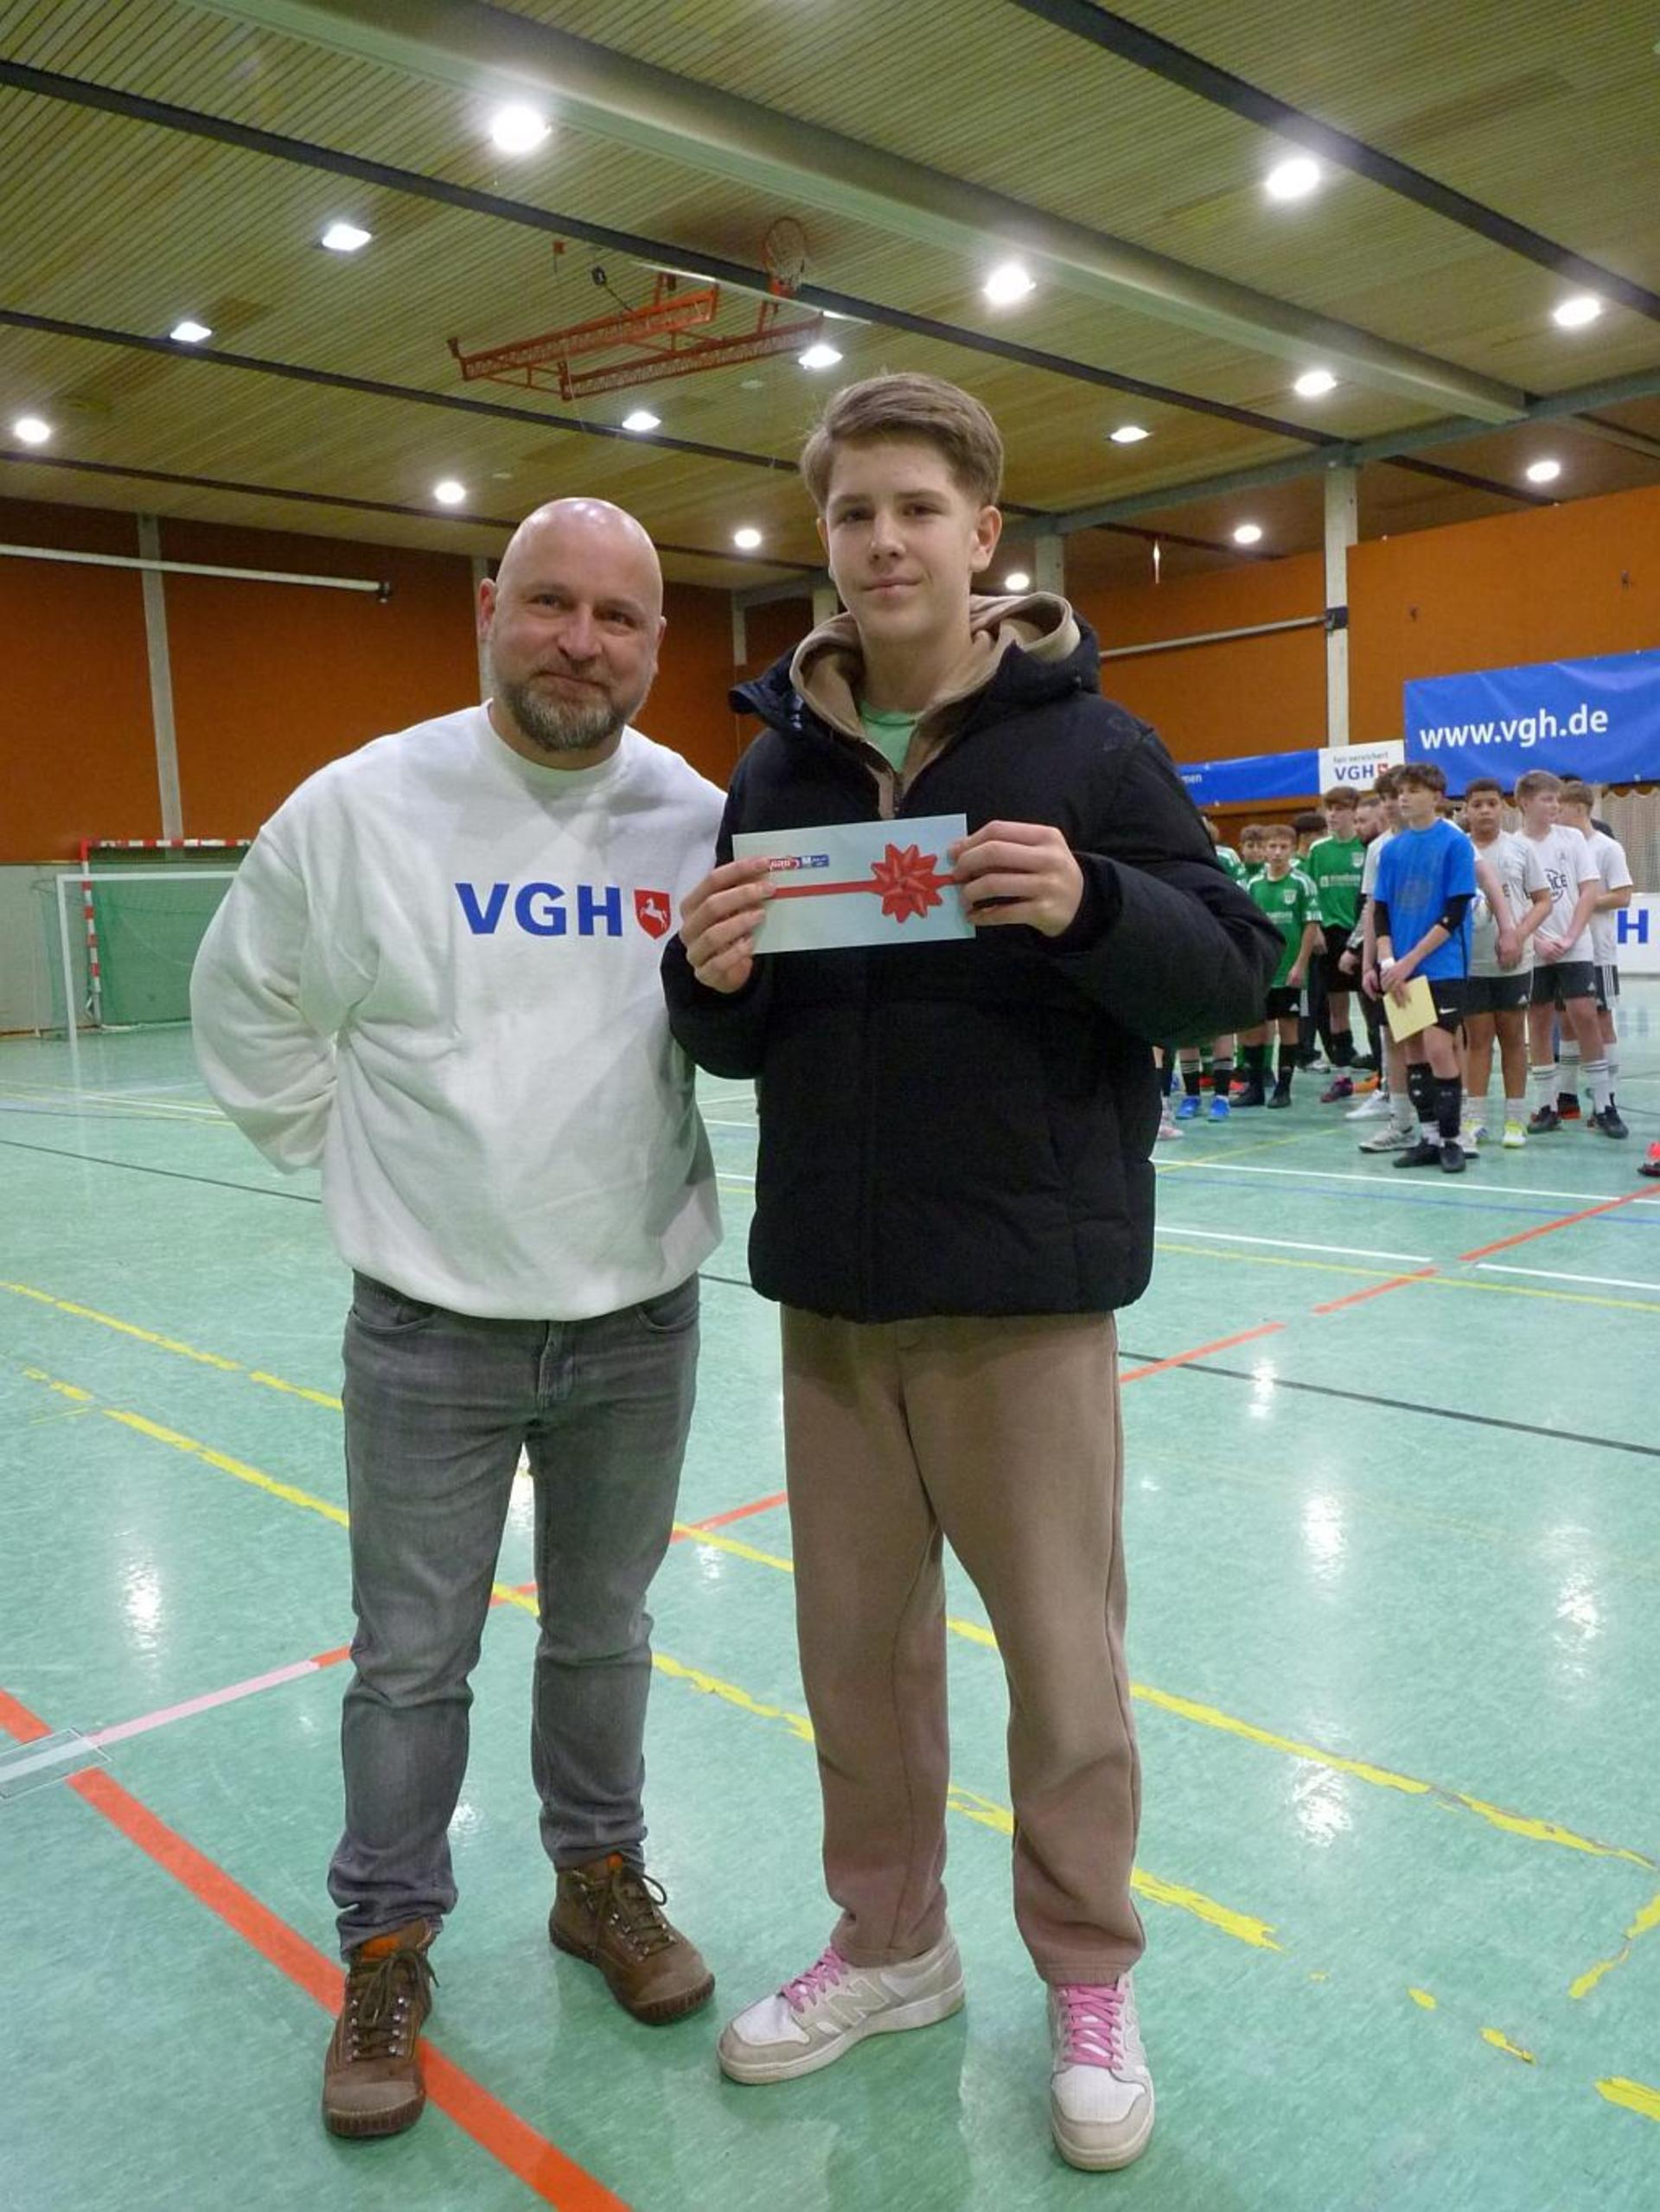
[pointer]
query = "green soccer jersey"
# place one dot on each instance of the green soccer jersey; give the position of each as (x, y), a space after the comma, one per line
(1291, 904)
(1334, 864)
(1231, 860)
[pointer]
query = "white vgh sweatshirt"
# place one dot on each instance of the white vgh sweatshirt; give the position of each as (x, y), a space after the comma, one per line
(437, 973)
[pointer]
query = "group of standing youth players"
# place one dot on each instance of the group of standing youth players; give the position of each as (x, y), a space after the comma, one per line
(1512, 929)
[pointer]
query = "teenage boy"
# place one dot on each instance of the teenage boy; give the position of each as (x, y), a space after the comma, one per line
(1564, 974)
(1426, 886)
(1391, 1099)
(1253, 849)
(1289, 899)
(1614, 872)
(1222, 1049)
(1334, 864)
(954, 1197)
(1501, 962)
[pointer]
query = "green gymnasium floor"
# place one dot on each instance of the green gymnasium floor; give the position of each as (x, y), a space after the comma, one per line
(1393, 1513)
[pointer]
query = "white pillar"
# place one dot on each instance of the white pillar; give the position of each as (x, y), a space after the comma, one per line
(1342, 529)
(740, 633)
(1049, 564)
(161, 680)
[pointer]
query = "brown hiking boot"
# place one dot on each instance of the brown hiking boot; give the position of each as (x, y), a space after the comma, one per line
(610, 1912)
(372, 2077)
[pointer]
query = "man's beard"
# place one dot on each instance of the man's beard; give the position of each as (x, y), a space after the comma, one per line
(558, 727)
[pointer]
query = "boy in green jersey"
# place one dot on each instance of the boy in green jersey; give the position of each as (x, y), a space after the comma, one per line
(1333, 864)
(1289, 899)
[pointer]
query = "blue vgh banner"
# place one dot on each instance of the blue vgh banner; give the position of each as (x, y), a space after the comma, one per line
(1598, 720)
(1251, 778)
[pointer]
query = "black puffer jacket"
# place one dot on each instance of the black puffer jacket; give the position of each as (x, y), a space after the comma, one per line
(965, 1128)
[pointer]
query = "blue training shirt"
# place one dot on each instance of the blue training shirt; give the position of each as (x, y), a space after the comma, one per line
(1418, 871)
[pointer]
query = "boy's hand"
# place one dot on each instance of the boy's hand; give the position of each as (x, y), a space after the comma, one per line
(718, 921)
(1510, 950)
(1348, 962)
(1294, 979)
(1550, 946)
(1018, 871)
(1394, 976)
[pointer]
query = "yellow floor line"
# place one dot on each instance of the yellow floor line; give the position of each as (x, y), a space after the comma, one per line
(1205, 1716)
(1636, 2096)
(1648, 1919)
(1500, 2040)
(1245, 1928)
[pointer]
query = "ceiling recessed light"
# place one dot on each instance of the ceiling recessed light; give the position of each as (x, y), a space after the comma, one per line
(820, 357)
(1314, 384)
(1543, 472)
(1292, 180)
(1007, 283)
(31, 431)
(641, 419)
(1249, 533)
(1573, 314)
(746, 539)
(345, 237)
(189, 332)
(1129, 434)
(1017, 580)
(448, 493)
(518, 130)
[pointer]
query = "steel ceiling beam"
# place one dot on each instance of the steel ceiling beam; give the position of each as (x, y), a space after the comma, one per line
(476, 48)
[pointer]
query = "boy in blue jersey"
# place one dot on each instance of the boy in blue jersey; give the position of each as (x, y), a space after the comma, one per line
(1426, 885)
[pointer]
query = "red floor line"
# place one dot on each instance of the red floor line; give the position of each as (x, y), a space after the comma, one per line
(1549, 1228)
(1376, 1290)
(1198, 1352)
(512, 2142)
(738, 1512)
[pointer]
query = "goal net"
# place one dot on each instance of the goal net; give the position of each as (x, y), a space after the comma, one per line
(128, 926)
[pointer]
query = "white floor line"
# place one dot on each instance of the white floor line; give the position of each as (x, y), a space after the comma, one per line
(1337, 1175)
(1290, 1243)
(710, 1122)
(1558, 1275)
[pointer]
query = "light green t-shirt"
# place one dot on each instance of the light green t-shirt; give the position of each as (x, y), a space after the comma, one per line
(889, 733)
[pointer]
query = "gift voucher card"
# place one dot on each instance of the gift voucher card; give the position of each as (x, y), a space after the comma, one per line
(859, 883)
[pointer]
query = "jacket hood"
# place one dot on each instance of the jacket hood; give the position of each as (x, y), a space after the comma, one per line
(1023, 648)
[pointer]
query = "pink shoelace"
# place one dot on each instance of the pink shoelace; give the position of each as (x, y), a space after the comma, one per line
(1092, 2023)
(824, 1974)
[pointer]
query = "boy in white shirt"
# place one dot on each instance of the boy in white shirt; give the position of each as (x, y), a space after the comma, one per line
(1500, 983)
(1613, 869)
(1564, 976)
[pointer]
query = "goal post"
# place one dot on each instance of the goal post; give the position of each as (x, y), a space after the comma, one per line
(140, 926)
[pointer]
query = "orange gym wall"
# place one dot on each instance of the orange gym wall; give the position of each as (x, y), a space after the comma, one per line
(1208, 702)
(268, 680)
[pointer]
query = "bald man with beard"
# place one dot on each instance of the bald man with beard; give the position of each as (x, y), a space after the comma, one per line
(435, 975)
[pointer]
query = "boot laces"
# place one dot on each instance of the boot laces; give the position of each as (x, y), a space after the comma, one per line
(381, 2000)
(633, 1903)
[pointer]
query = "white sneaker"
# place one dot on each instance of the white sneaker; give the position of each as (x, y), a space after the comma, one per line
(1167, 1130)
(822, 2013)
(1472, 1134)
(1369, 1107)
(1101, 2090)
(1515, 1137)
(1389, 1139)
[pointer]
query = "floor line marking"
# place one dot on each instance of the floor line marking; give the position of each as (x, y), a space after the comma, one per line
(1525, 1290)
(101, 1738)
(1537, 1831)
(1561, 1275)
(1199, 1351)
(1567, 1220)
(693, 1529)
(554, 2177)
(1645, 1921)
(1636, 2096)
(1262, 1259)
(1292, 1244)
(1379, 1182)
(1376, 1290)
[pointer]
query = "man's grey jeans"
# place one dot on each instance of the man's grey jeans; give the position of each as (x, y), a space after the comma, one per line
(438, 1404)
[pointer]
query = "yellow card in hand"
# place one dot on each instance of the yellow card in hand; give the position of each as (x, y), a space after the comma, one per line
(1417, 1013)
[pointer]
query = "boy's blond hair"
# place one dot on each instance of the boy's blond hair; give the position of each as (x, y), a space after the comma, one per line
(1535, 779)
(908, 410)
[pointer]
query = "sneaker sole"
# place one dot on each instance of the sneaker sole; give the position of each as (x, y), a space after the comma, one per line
(922, 2012)
(1092, 2160)
(362, 2126)
(664, 2012)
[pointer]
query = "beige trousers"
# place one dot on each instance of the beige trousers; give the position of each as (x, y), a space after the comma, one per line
(1003, 1436)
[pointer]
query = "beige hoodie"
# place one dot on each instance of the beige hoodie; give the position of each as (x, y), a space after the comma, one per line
(829, 667)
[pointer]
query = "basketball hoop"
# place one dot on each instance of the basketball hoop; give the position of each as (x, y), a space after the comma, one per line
(783, 255)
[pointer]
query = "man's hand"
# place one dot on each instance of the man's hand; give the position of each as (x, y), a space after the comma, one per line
(1018, 871)
(718, 921)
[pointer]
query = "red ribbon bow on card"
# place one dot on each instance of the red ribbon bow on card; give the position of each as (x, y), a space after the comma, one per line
(907, 882)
